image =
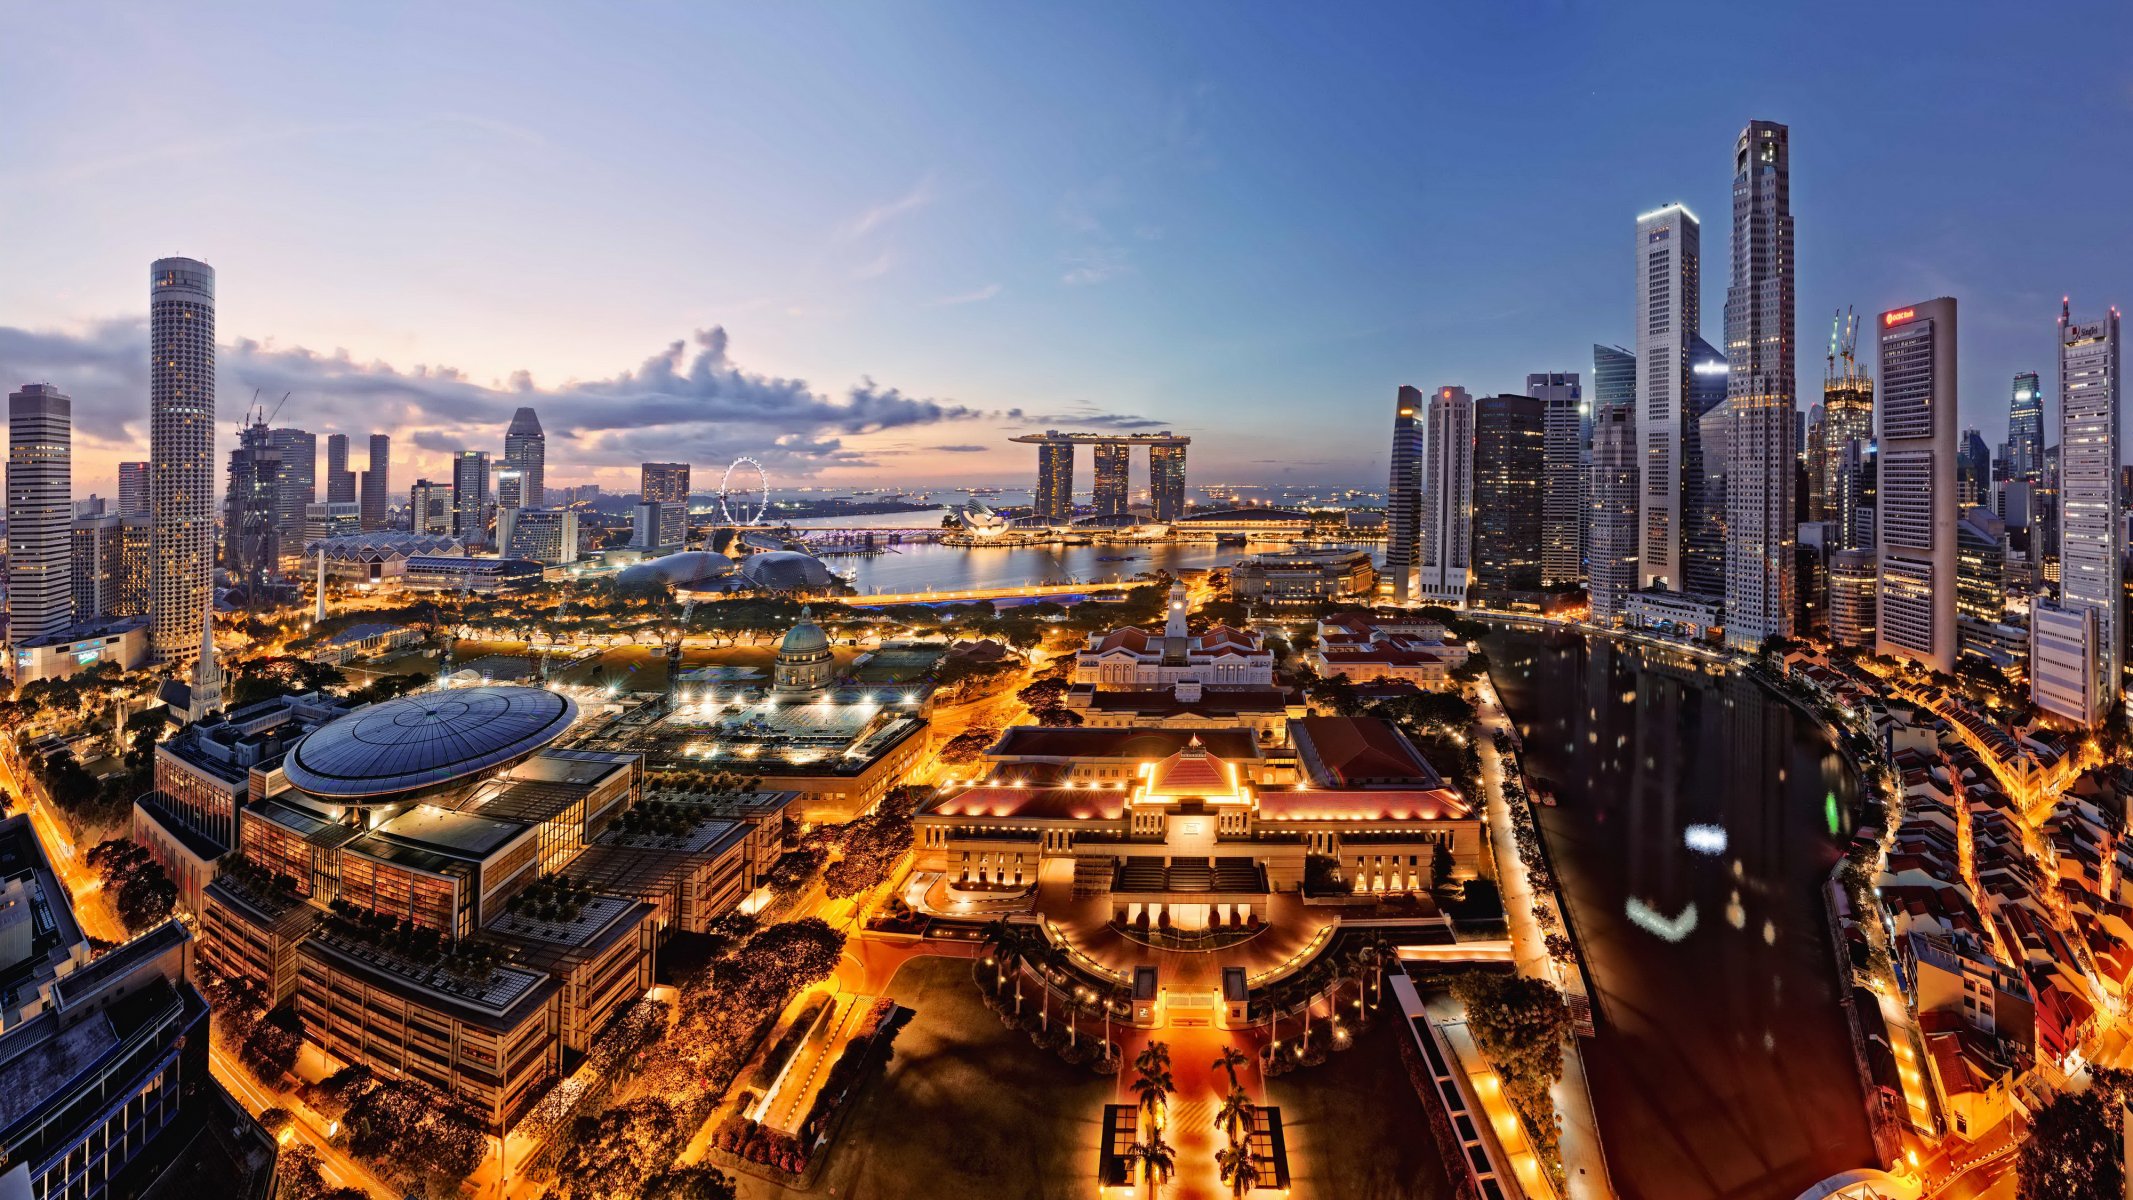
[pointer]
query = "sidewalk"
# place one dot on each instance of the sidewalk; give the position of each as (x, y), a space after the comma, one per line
(1584, 1163)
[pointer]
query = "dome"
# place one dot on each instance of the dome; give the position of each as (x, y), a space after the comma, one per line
(804, 638)
(786, 571)
(686, 569)
(426, 739)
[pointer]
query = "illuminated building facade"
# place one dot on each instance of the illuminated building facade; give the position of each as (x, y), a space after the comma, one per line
(1403, 493)
(1567, 433)
(1915, 502)
(181, 447)
(1447, 541)
(1763, 425)
(1668, 290)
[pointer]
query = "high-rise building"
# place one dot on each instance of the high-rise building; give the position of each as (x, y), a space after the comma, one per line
(2025, 429)
(1915, 506)
(1703, 535)
(99, 556)
(1562, 476)
(1447, 497)
(526, 449)
(250, 535)
(331, 520)
(40, 515)
(295, 489)
(546, 535)
(181, 448)
(470, 496)
(1114, 469)
(1166, 481)
(665, 483)
(660, 525)
(1980, 582)
(429, 507)
(1973, 468)
(1854, 578)
(2092, 534)
(1054, 497)
(377, 489)
(1510, 455)
(1611, 538)
(1847, 429)
(1763, 433)
(136, 493)
(510, 488)
(340, 481)
(1403, 493)
(1669, 287)
(136, 596)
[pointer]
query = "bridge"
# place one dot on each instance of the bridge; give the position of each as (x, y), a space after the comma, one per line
(1024, 591)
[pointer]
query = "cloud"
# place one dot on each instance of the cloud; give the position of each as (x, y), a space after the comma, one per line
(974, 297)
(1094, 264)
(689, 401)
(1089, 419)
(963, 449)
(922, 195)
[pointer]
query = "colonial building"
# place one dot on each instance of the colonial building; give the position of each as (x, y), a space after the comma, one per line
(804, 662)
(1135, 658)
(1365, 648)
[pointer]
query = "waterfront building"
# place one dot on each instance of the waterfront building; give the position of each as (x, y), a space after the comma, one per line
(470, 497)
(1915, 505)
(1403, 493)
(1668, 291)
(340, 481)
(181, 447)
(2025, 429)
(135, 491)
(664, 483)
(1052, 501)
(1854, 581)
(377, 489)
(1509, 456)
(1674, 614)
(544, 535)
(1166, 481)
(1132, 657)
(1614, 554)
(526, 451)
(1054, 497)
(40, 517)
(1305, 576)
(1762, 441)
(1566, 439)
(1365, 649)
(1114, 466)
(2092, 534)
(1447, 521)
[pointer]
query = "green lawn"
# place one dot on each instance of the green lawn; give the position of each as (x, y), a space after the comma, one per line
(967, 1109)
(1355, 1127)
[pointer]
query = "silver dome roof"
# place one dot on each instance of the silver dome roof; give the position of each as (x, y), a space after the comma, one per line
(425, 739)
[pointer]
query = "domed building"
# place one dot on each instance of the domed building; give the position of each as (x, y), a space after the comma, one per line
(688, 570)
(804, 662)
(787, 571)
(422, 746)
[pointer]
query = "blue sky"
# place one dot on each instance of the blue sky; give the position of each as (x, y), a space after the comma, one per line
(923, 228)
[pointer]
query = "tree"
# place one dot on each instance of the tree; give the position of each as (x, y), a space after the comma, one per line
(1234, 1118)
(1440, 866)
(689, 1183)
(2073, 1147)
(1239, 1169)
(1155, 1160)
(138, 886)
(1519, 1025)
(1154, 1086)
(1229, 1060)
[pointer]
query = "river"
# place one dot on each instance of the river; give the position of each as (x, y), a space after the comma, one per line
(1698, 818)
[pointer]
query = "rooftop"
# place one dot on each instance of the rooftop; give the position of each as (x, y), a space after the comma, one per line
(459, 834)
(1357, 751)
(426, 739)
(1036, 804)
(1061, 741)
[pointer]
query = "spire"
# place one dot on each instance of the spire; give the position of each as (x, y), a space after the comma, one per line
(207, 673)
(318, 614)
(1174, 626)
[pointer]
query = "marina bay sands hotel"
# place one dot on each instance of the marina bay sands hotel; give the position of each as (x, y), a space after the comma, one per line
(1054, 498)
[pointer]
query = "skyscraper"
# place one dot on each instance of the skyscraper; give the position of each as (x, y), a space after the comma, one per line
(526, 448)
(1669, 258)
(135, 490)
(181, 447)
(1973, 469)
(377, 483)
(1915, 501)
(1703, 535)
(1403, 493)
(470, 496)
(1114, 467)
(1447, 497)
(1562, 478)
(663, 483)
(430, 507)
(340, 481)
(250, 541)
(1053, 500)
(2091, 524)
(1510, 454)
(2025, 429)
(1847, 430)
(1166, 480)
(1612, 522)
(296, 488)
(40, 516)
(1762, 442)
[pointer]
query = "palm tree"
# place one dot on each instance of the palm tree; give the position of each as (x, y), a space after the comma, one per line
(1384, 956)
(1231, 1059)
(1234, 1118)
(995, 937)
(1154, 1088)
(1239, 1169)
(1111, 997)
(1156, 1160)
(1155, 1056)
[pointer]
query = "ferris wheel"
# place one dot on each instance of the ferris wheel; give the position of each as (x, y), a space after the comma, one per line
(742, 500)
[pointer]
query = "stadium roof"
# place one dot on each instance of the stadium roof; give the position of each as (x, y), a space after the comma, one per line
(426, 739)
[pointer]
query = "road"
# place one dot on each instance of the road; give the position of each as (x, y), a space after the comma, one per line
(339, 1169)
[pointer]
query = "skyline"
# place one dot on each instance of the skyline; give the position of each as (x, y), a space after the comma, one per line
(1169, 233)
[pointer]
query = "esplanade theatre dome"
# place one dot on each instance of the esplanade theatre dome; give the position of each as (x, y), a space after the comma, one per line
(425, 743)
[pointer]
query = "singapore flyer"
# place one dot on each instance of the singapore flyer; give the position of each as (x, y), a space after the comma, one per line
(744, 492)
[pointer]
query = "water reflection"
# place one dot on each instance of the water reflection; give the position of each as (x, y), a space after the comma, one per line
(1723, 1066)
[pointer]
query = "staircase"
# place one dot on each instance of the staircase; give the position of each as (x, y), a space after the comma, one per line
(1092, 876)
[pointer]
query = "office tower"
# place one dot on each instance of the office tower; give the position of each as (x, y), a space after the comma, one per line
(40, 515)
(250, 541)
(135, 491)
(1854, 578)
(526, 448)
(331, 520)
(470, 496)
(1810, 557)
(136, 565)
(659, 525)
(1847, 430)
(510, 488)
(340, 481)
(664, 482)
(2025, 429)
(1403, 493)
(1565, 421)
(1669, 253)
(1053, 500)
(181, 447)
(430, 507)
(1703, 551)
(1612, 536)
(376, 494)
(1166, 480)
(1447, 497)
(2092, 535)
(98, 557)
(1815, 459)
(1973, 468)
(1916, 502)
(1614, 381)
(1114, 466)
(547, 535)
(1980, 582)
(1763, 434)
(297, 486)
(1510, 453)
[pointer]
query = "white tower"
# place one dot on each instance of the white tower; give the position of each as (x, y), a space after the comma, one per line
(1915, 505)
(40, 515)
(1447, 498)
(181, 444)
(1762, 528)
(1669, 285)
(2077, 672)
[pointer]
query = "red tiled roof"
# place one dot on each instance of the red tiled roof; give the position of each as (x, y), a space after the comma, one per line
(1434, 804)
(1036, 804)
(1188, 772)
(1339, 751)
(1065, 741)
